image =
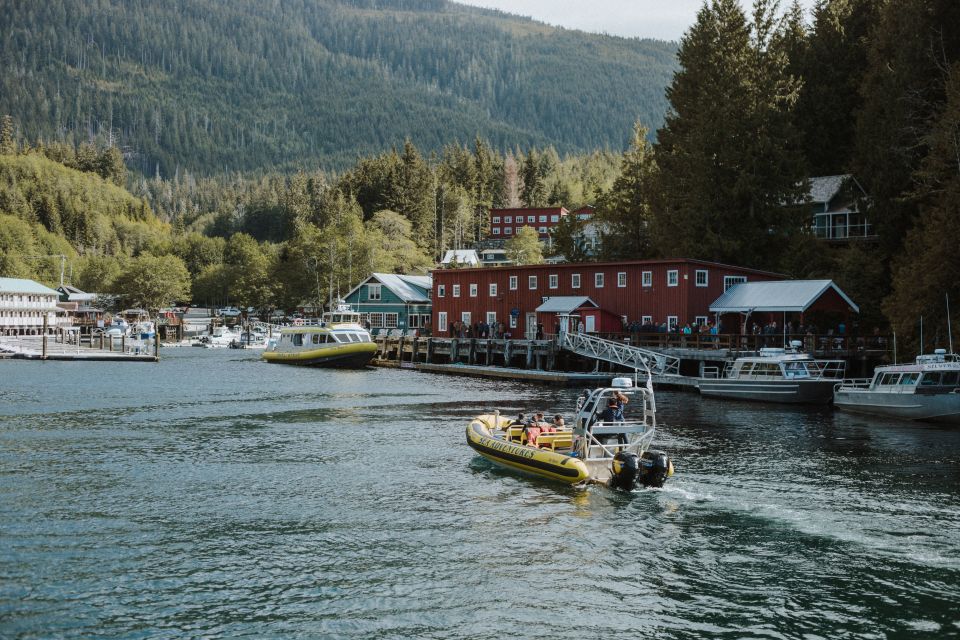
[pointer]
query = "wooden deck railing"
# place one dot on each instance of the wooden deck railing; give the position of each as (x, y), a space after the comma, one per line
(814, 344)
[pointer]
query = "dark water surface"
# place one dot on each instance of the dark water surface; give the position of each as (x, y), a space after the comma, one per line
(212, 495)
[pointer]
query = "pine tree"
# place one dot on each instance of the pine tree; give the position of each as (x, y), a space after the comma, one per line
(728, 152)
(8, 145)
(625, 211)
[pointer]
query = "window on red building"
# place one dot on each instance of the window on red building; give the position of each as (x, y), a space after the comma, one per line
(493, 289)
(473, 290)
(673, 278)
(554, 281)
(532, 282)
(622, 279)
(456, 291)
(441, 291)
(702, 277)
(647, 279)
(598, 280)
(513, 283)
(574, 280)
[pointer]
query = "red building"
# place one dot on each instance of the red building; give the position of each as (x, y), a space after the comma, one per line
(506, 223)
(602, 294)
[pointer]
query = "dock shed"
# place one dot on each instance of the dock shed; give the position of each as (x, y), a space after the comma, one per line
(771, 301)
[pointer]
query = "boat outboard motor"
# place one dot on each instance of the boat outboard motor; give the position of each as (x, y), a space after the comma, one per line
(626, 466)
(655, 468)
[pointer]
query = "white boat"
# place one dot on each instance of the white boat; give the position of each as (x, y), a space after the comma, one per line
(219, 339)
(775, 375)
(928, 389)
(250, 340)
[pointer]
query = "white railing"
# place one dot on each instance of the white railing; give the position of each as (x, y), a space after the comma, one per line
(620, 353)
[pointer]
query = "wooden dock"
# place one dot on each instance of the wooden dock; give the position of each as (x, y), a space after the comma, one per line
(50, 348)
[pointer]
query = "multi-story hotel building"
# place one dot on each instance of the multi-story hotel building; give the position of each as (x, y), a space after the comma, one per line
(23, 306)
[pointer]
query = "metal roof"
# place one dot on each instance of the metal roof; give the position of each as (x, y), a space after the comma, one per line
(407, 288)
(824, 188)
(779, 295)
(462, 256)
(22, 285)
(565, 304)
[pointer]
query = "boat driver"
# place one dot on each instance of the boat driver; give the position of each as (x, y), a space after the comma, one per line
(614, 410)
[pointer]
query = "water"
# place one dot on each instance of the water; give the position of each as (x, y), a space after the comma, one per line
(212, 495)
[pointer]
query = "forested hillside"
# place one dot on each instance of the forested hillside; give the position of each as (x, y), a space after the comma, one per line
(211, 86)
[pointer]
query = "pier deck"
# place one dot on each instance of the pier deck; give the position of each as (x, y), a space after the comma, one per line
(32, 348)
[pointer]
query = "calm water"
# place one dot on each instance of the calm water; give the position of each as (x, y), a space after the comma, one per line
(213, 495)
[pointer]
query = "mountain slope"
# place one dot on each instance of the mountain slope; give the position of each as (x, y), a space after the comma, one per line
(216, 85)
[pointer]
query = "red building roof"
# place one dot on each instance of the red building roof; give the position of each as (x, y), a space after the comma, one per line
(673, 290)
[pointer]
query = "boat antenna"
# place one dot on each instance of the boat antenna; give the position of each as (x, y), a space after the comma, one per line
(921, 336)
(949, 326)
(894, 347)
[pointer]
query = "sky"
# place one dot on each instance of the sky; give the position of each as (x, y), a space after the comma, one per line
(660, 19)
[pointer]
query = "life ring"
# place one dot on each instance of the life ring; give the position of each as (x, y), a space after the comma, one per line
(298, 322)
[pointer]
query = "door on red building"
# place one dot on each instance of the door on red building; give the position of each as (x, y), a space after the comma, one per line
(531, 327)
(591, 322)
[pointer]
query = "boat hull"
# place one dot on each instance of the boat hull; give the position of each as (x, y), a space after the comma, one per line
(943, 408)
(544, 463)
(782, 391)
(346, 356)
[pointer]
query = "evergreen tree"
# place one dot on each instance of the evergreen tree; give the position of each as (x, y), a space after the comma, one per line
(534, 190)
(728, 152)
(568, 240)
(414, 195)
(625, 212)
(8, 145)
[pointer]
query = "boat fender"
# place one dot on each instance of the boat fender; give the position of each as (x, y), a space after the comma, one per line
(625, 467)
(655, 468)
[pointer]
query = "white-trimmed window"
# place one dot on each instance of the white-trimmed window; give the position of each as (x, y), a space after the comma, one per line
(441, 290)
(518, 229)
(413, 321)
(673, 278)
(441, 321)
(373, 291)
(542, 229)
(553, 281)
(513, 321)
(574, 280)
(532, 282)
(621, 279)
(491, 317)
(542, 219)
(531, 219)
(729, 281)
(473, 289)
(513, 283)
(702, 278)
(598, 280)
(508, 219)
(554, 218)
(493, 289)
(496, 231)
(646, 278)
(646, 320)
(701, 321)
(496, 219)
(376, 320)
(456, 291)
(671, 322)
(465, 317)
(508, 230)
(390, 320)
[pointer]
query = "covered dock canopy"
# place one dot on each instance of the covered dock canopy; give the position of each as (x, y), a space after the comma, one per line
(566, 304)
(787, 296)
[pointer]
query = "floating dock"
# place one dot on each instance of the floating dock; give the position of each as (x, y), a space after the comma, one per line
(49, 348)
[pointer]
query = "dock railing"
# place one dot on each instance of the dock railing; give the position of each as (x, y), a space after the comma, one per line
(818, 344)
(619, 353)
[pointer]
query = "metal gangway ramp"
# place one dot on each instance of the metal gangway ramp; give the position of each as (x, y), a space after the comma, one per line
(619, 353)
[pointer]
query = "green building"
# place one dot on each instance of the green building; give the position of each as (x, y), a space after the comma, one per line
(392, 301)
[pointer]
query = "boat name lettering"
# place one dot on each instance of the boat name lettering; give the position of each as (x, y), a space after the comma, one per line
(509, 448)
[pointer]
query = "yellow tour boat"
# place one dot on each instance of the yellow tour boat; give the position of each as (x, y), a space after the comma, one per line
(615, 452)
(338, 341)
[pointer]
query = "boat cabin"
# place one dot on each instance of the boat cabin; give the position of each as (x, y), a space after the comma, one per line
(783, 364)
(933, 373)
(341, 317)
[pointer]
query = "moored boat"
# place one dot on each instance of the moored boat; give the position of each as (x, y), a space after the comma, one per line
(338, 341)
(612, 452)
(928, 390)
(775, 375)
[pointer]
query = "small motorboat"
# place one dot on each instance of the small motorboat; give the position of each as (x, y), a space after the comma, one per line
(616, 453)
(927, 390)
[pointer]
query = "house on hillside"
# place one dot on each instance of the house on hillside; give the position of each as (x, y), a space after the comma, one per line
(457, 258)
(836, 216)
(392, 301)
(506, 223)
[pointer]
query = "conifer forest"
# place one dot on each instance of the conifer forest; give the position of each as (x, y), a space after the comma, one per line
(246, 149)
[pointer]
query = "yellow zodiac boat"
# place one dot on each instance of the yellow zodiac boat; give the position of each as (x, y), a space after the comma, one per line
(338, 341)
(616, 453)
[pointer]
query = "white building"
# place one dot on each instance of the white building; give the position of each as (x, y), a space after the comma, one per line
(455, 258)
(23, 306)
